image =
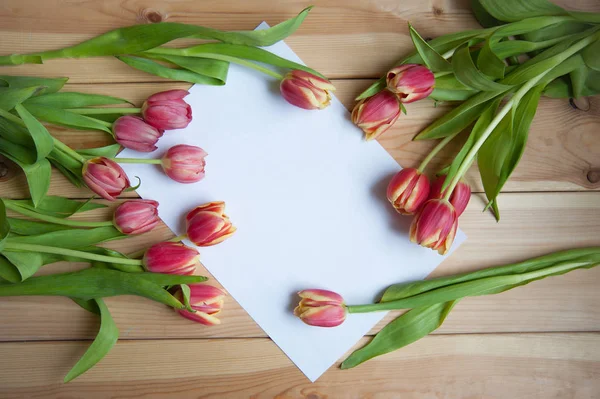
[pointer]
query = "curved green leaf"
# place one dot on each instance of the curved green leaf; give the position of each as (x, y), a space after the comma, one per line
(53, 205)
(516, 10)
(27, 227)
(591, 55)
(4, 225)
(458, 118)
(38, 179)
(109, 151)
(138, 38)
(10, 97)
(404, 330)
(50, 85)
(15, 133)
(65, 118)
(42, 139)
(469, 75)
(215, 69)
(17, 153)
(8, 271)
(74, 100)
(107, 337)
(451, 95)
(431, 58)
(556, 30)
(73, 238)
(27, 263)
(484, 18)
(157, 69)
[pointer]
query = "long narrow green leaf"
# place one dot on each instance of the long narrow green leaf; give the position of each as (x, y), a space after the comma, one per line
(37, 173)
(138, 38)
(50, 85)
(484, 18)
(516, 10)
(72, 238)
(8, 271)
(405, 290)
(100, 283)
(591, 55)
(215, 69)
(109, 151)
(58, 206)
(65, 118)
(74, 100)
(4, 225)
(458, 118)
(432, 58)
(42, 139)
(470, 76)
(157, 69)
(27, 227)
(107, 337)
(27, 263)
(17, 153)
(15, 133)
(10, 97)
(404, 330)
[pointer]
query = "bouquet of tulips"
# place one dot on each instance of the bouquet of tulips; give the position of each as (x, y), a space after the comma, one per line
(164, 272)
(525, 50)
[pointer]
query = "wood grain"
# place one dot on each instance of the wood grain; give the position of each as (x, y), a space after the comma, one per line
(532, 224)
(562, 153)
(458, 366)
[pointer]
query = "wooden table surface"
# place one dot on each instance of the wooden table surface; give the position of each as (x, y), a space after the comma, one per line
(539, 341)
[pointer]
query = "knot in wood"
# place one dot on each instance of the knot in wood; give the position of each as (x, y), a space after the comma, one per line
(152, 16)
(593, 176)
(437, 11)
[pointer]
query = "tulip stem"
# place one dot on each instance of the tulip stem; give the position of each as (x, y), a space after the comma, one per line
(53, 219)
(137, 160)
(17, 246)
(102, 111)
(435, 150)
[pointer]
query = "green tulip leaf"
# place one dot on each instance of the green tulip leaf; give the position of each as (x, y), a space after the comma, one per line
(443, 95)
(8, 271)
(42, 139)
(214, 69)
(15, 133)
(53, 205)
(431, 58)
(38, 173)
(470, 76)
(591, 55)
(404, 330)
(107, 337)
(25, 227)
(484, 18)
(516, 10)
(458, 118)
(4, 225)
(559, 88)
(138, 38)
(50, 85)
(109, 151)
(554, 31)
(10, 97)
(73, 238)
(19, 154)
(99, 283)
(65, 118)
(89, 305)
(163, 71)
(74, 100)
(27, 263)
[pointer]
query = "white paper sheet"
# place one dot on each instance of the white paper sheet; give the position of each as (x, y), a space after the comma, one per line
(307, 195)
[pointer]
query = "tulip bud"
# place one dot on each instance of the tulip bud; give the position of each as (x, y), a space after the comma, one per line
(206, 300)
(184, 163)
(408, 190)
(171, 258)
(376, 114)
(136, 216)
(167, 110)
(411, 82)
(459, 198)
(105, 177)
(305, 90)
(208, 225)
(321, 308)
(434, 226)
(133, 133)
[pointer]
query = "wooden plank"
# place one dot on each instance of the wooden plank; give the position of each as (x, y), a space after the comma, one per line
(335, 32)
(459, 366)
(562, 153)
(532, 224)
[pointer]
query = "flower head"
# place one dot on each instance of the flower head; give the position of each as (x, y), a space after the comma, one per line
(136, 216)
(167, 110)
(411, 82)
(435, 225)
(133, 133)
(105, 177)
(321, 308)
(305, 90)
(171, 258)
(206, 300)
(208, 225)
(408, 190)
(376, 114)
(459, 198)
(184, 163)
